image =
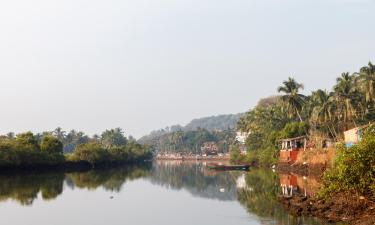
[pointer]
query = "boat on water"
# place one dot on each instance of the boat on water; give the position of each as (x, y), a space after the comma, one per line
(231, 167)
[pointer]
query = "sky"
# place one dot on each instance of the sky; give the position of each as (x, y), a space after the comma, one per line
(142, 65)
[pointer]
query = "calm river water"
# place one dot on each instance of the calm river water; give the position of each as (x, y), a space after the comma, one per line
(161, 193)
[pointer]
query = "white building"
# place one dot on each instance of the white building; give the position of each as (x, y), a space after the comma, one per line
(242, 136)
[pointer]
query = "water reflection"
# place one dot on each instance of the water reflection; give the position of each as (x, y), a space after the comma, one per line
(25, 188)
(293, 184)
(256, 191)
(195, 178)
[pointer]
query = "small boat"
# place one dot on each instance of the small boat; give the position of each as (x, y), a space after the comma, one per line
(226, 168)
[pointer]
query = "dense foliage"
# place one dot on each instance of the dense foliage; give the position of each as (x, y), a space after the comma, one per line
(354, 168)
(46, 149)
(192, 141)
(325, 114)
(177, 138)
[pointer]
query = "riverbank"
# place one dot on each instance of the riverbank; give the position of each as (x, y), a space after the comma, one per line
(343, 207)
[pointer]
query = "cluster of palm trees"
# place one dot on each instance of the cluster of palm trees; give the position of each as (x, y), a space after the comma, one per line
(350, 103)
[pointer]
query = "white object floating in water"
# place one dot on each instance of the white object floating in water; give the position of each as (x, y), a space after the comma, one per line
(222, 190)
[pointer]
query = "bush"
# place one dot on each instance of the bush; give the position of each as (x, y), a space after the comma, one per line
(91, 152)
(51, 145)
(26, 141)
(354, 168)
(235, 155)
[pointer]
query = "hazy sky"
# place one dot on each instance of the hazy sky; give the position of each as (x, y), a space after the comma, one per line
(145, 64)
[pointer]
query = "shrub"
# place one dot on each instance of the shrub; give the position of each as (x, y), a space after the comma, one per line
(354, 168)
(91, 152)
(51, 145)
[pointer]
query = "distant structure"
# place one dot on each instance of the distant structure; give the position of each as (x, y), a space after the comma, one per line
(354, 135)
(291, 147)
(242, 136)
(209, 148)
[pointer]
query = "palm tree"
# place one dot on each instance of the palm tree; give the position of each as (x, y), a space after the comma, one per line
(345, 96)
(366, 78)
(59, 133)
(291, 98)
(323, 109)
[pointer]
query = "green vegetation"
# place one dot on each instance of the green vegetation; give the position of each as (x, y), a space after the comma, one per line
(29, 150)
(321, 114)
(192, 141)
(188, 139)
(354, 168)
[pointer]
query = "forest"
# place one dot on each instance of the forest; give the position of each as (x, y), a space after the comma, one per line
(58, 147)
(189, 139)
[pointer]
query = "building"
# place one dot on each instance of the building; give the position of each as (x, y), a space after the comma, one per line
(290, 148)
(353, 136)
(209, 148)
(242, 136)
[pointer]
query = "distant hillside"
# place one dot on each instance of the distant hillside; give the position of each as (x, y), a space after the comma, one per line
(191, 136)
(212, 123)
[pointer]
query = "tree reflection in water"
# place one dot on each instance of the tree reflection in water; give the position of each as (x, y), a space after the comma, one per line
(25, 188)
(195, 178)
(256, 191)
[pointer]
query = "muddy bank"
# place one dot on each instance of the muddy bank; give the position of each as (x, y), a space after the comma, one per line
(347, 208)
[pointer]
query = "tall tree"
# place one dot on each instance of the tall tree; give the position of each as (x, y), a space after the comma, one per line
(113, 137)
(344, 92)
(366, 78)
(293, 100)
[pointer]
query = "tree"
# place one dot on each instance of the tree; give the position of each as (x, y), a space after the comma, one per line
(26, 141)
(51, 145)
(345, 95)
(10, 135)
(323, 110)
(59, 133)
(91, 152)
(291, 98)
(113, 138)
(366, 78)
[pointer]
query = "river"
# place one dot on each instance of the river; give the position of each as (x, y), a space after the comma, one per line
(159, 193)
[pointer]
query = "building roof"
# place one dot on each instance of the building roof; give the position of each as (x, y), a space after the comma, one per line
(292, 139)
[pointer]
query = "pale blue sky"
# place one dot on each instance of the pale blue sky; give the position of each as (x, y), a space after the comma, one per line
(145, 64)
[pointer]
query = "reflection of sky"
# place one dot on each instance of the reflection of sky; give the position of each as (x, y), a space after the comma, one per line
(138, 203)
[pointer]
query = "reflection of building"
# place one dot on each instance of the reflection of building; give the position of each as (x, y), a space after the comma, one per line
(241, 183)
(209, 148)
(293, 185)
(242, 136)
(353, 136)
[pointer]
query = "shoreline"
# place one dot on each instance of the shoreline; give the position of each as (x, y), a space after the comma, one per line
(342, 207)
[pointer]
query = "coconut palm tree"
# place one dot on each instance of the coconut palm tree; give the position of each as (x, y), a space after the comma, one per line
(366, 78)
(345, 96)
(323, 109)
(291, 98)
